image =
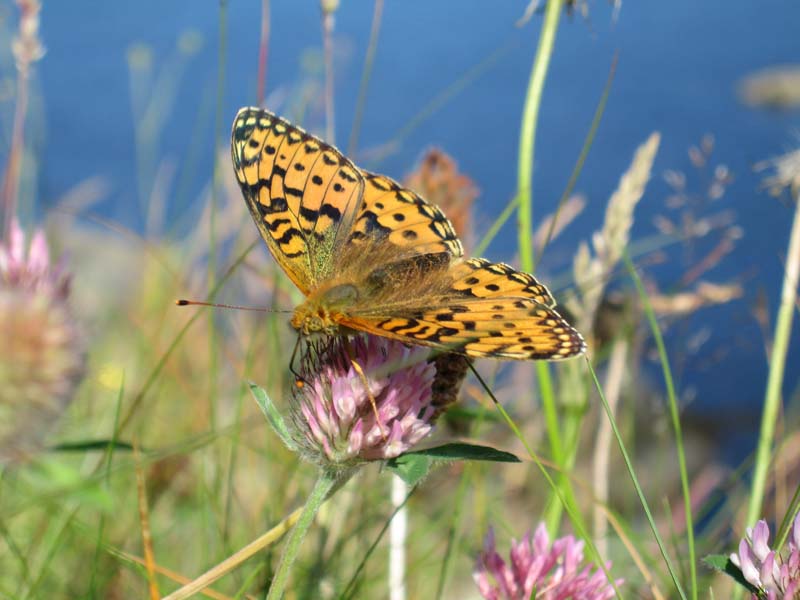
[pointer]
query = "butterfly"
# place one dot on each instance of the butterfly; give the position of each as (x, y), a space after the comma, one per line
(372, 256)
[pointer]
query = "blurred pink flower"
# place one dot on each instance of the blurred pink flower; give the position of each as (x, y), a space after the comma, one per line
(42, 350)
(776, 576)
(335, 420)
(31, 269)
(552, 572)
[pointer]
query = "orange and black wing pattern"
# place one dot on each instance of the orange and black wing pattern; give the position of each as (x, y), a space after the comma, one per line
(302, 193)
(486, 310)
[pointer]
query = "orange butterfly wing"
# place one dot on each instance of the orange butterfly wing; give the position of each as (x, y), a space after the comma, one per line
(397, 215)
(388, 259)
(485, 310)
(302, 193)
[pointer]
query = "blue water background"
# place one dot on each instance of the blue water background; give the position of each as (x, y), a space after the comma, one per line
(679, 63)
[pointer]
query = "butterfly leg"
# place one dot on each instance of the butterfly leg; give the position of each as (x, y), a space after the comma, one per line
(299, 380)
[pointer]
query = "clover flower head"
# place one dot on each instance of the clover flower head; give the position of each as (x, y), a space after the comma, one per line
(30, 268)
(775, 575)
(362, 399)
(42, 350)
(553, 571)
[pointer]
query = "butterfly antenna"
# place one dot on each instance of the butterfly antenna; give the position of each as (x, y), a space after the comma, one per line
(182, 302)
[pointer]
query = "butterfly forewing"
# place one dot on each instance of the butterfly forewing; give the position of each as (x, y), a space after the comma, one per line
(302, 193)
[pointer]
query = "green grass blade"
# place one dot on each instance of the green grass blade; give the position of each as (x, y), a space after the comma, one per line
(107, 482)
(674, 412)
(350, 588)
(527, 139)
(576, 170)
(156, 371)
(366, 73)
(777, 364)
(645, 506)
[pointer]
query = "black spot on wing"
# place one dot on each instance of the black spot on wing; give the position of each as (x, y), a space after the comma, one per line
(309, 214)
(277, 223)
(290, 191)
(330, 211)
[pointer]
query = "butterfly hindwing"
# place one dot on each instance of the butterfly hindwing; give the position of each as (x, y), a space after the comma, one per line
(391, 213)
(477, 277)
(487, 310)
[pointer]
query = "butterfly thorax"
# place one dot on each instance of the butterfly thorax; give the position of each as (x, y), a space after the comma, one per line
(324, 309)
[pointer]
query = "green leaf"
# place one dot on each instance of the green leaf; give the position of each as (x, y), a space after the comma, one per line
(273, 416)
(723, 564)
(462, 451)
(90, 445)
(413, 466)
(410, 467)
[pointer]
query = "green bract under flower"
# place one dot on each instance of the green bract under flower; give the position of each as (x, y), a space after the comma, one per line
(336, 423)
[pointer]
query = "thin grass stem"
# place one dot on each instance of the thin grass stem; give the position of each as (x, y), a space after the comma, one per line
(233, 561)
(496, 225)
(14, 165)
(263, 52)
(318, 495)
(780, 347)
(328, 10)
(366, 73)
(602, 445)
(453, 532)
(575, 517)
(576, 170)
(106, 465)
(527, 139)
(645, 506)
(156, 371)
(397, 540)
(674, 416)
(441, 99)
(350, 588)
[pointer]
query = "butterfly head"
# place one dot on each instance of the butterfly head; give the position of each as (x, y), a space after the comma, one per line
(322, 311)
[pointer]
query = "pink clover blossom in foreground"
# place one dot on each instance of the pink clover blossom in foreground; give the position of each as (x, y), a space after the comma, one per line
(30, 270)
(540, 570)
(776, 576)
(42, 350)
(334, 417)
